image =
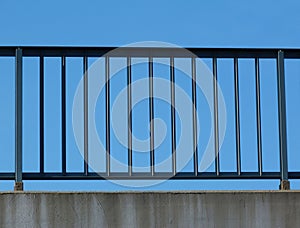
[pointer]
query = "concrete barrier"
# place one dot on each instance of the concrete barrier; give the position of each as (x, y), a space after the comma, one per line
(151, 209)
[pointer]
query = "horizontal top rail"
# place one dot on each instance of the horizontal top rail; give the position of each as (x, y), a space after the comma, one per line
(55, 51)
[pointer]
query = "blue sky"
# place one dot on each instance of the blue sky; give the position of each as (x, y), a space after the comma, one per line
(232, 23)
(188, 24)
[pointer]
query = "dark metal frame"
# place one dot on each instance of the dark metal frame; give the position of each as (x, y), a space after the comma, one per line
(150, 53)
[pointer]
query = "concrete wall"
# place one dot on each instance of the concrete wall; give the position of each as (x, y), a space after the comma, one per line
(151, 209)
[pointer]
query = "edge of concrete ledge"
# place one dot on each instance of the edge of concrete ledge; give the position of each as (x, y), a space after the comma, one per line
(155, 192)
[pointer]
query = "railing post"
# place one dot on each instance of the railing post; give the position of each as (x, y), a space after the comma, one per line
(18, 122)
(284, 182)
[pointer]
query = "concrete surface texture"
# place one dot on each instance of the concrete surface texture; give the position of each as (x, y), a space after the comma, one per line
(150, 209)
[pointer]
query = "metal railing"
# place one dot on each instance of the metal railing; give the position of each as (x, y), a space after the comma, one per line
(149, 52)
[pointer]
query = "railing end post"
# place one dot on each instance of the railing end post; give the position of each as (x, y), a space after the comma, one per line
(18, 120)
(284, 182)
